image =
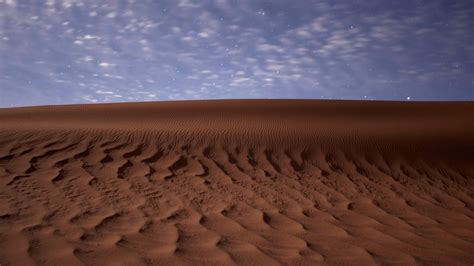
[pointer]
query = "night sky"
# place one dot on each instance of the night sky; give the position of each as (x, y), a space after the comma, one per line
(86, 51)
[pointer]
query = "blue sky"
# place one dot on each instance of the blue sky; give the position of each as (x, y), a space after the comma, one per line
(85, 51)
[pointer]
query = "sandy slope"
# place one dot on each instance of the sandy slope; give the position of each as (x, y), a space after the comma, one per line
(238, 182)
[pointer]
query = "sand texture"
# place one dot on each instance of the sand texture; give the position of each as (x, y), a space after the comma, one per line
(251, 182)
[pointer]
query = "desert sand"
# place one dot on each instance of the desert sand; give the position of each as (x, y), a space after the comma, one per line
(254, 182)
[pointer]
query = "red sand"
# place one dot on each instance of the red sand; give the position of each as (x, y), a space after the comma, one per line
(238, 182)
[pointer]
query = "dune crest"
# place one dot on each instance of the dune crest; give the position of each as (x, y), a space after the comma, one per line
(238, 182)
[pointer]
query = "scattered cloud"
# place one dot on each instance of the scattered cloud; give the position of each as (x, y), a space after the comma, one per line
(230, 49)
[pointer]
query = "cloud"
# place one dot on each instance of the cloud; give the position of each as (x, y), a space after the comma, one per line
(229, 48)
(203, 34)
(106, 64)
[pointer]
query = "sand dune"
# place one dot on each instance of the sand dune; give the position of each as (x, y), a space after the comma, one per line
(259, 182)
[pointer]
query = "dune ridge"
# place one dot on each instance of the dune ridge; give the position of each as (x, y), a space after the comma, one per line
(238, 182)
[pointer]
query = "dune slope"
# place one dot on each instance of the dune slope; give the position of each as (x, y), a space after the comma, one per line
(263, 182)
